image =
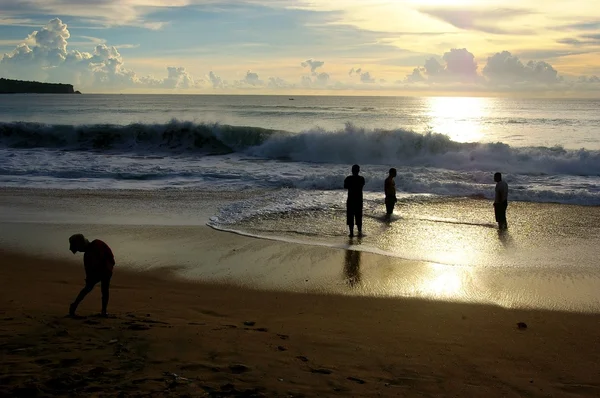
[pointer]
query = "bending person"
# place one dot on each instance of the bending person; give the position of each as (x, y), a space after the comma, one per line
(98, 261)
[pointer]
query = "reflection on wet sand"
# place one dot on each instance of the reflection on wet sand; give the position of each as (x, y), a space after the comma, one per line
(352, 267)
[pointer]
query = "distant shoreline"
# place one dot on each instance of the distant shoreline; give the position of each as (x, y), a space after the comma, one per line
(8, 86)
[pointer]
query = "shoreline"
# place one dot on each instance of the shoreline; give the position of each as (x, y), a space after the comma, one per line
(172, 337)
(469, 263)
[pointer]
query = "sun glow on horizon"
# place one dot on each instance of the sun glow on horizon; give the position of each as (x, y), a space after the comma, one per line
(458, 117)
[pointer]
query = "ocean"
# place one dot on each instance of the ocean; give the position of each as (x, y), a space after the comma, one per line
(548, 150)
(273, 167)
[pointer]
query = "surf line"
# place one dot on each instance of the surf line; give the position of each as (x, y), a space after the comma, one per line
(357, 247)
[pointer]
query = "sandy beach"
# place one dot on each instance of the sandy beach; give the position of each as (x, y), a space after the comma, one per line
(199, 312)
(166, 337)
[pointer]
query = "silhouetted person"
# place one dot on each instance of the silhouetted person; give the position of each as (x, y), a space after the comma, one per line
(354, 204)
(390, 192)
(352, 267)
(98, 261)
(500, 201)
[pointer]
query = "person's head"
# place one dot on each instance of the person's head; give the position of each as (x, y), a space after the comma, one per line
(355, 169)
(392, 172)
(77, 243)
(498, 177)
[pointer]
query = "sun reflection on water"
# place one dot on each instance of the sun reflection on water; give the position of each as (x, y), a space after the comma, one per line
(458, 117)
(443, 281)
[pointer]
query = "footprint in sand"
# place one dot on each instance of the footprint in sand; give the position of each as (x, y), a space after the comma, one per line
(322, 371)
(138, 327)
(356, 380)
(238, 368)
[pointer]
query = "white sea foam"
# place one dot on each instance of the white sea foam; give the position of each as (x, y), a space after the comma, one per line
(175, 155)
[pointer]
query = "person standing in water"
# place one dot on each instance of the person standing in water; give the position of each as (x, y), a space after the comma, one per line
(354, 204)
(500, 201)
(390, 192)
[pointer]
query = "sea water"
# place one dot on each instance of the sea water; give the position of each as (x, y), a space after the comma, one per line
(273, 167)
(297, 151)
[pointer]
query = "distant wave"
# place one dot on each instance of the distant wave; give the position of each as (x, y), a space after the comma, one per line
(349, 145)
(137, 137)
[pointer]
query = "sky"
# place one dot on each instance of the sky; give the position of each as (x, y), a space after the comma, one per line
(341, 47)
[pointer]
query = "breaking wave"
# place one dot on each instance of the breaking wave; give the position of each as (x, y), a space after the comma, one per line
(399, 147)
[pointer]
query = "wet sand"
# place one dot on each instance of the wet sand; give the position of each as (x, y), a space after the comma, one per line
(547, 259)
(167, 337)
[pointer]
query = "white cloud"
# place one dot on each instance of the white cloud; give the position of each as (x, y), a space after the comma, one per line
(504, 68)
(106, 12)
(178, 77)
(215, 80)
(365, 77)
(278, 83)
(461, 64)
(44, 56)
(322, 79)
(588, 79)
(252, 79)
(314, 65)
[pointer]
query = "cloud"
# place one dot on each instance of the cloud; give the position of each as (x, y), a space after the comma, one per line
(178, 77)
(252, 79)
(416, 76)
(278, 83)
(365, 77)
(322, 79)
(582, 26)
(215, 80)
(483, 20)
(306, 81)
(44, 56)
(588, 79)
(104, 12)
(433, 67)
(501, 70)
(459, 66)
(505, 68)
(314, 65)
(317, 80)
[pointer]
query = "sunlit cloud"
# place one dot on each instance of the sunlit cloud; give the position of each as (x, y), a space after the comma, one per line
(398, 47)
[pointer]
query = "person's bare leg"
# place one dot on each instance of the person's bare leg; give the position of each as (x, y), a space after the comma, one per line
(84, 292)
(105, 294)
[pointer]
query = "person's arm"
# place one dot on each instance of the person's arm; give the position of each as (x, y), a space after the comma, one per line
(346, 183)
(498, 194)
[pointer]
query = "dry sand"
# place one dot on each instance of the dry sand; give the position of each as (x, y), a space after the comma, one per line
(167, 337)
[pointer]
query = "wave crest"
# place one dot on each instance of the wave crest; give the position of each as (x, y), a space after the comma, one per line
(349, 145)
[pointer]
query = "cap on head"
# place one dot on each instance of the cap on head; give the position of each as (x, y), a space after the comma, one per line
(498, 177)
(77, 243)
(355, 169)
(392, 172)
